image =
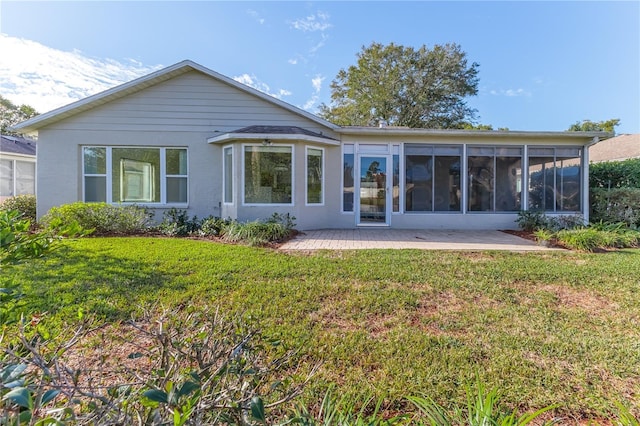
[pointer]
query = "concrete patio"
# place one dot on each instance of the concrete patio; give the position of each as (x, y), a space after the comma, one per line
(377, 238)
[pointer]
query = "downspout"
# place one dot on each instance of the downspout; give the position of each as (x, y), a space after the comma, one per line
(585, 179)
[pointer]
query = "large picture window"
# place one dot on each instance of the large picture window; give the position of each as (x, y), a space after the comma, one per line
(495, 178)
(555, 179)
(432, 178)
(315, 175)
(135, 175)
(268, 175)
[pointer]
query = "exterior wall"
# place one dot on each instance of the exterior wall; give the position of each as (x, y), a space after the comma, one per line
(182, 112)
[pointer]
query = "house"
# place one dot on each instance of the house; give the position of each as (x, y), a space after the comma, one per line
(621, 147)
(190, 138)
(17, 166)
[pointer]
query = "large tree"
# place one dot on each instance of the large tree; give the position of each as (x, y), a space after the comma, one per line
(595, 126)
(403, 86)
(11, 114)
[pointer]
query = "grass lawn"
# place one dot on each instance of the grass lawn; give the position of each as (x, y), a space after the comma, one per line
(544, 328)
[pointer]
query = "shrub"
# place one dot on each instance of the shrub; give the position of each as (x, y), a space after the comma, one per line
(585, 239)
(530, 220)
(276, 228)
(212, 226)
(177, 223)
(102, 218)
(24, 204)
(616, 205)
(615, 174)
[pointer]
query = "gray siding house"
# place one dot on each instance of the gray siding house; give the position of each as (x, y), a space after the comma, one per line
(190, 138)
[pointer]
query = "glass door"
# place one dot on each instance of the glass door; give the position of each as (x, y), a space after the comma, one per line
(373, 204)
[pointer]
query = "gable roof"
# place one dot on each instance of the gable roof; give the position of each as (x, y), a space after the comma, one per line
(149, 80)
(17, 145)
(619, 148)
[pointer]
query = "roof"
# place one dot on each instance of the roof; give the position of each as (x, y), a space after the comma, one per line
(149, 80)
(619, 148)
(17, 145)
(266, 133)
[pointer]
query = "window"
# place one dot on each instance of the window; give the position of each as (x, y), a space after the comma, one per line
(495, 178)
(348, 182)
(268, 174)
(432, 178)
(555, 179)
(135, 175)
(228, 174)
(6, 178)
(315, 175)
(17, 177)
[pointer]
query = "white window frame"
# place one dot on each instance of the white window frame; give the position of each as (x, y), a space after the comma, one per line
(293, 175)
(306, 176)
(108, 175)
(224, 175)
(14, 175)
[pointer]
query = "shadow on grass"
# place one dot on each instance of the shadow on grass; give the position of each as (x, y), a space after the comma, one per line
(70, 280)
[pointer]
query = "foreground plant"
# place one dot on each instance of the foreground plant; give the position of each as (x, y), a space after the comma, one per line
(175, 368)
(483, 409)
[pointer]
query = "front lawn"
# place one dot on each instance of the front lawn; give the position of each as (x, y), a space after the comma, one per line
(543, 328)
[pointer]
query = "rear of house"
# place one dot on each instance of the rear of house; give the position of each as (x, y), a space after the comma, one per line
(186, 137)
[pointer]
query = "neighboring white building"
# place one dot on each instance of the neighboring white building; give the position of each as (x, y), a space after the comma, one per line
(17, 166)
(190, 138)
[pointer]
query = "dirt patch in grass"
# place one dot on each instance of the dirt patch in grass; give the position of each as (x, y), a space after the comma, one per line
(570, 297)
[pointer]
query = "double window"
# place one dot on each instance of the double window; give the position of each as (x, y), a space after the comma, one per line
(135, 175)
(17, 177)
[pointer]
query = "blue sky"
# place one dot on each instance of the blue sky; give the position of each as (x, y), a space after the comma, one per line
(543, 65)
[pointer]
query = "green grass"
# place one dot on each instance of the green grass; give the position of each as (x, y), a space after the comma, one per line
(543, 328)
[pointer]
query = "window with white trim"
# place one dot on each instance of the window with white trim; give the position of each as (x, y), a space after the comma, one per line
(17, 177)
(268, 174)
(315, 175)
(146, 175)
(227, 159)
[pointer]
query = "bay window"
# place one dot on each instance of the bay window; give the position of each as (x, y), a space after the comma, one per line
(135, 175)
(268, 174)
(315, 175)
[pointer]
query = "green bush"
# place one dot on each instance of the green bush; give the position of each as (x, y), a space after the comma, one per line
(212, 226)
(616, 205)
(177, 223)
(615, 174)
(102, 218)
(277, 228)
(531, 220)
(24, 204)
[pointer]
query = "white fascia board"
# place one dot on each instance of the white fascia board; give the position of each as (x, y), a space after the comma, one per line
(586, 137)
(236, 137)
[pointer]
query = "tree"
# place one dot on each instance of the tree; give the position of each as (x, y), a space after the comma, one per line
(11, 114)
(592, 126)
(402, 86)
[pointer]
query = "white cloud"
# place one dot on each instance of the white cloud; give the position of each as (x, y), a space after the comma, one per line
(255, 15)
(253, 81)
(317, 22)
(510, 92)
(316, 82)
(46, 78)
(293, 61)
